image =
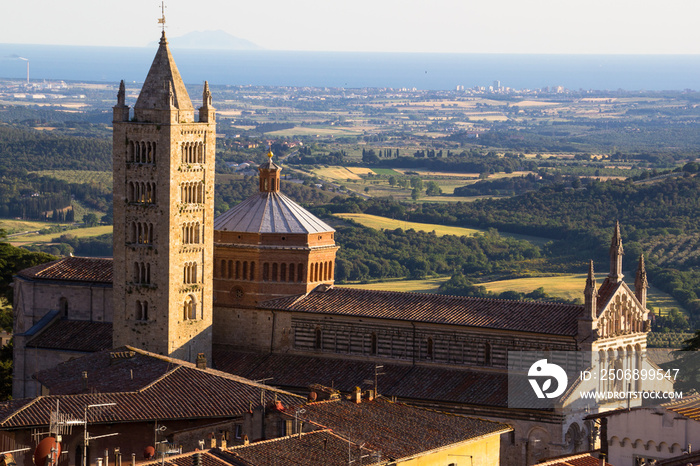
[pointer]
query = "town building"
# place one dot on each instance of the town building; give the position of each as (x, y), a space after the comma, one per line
(253, 293)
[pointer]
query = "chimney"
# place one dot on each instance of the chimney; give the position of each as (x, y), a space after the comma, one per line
(201, 361)
(246, 441)
(117, 457)
(370, 395)
(99, 461)
(85, 380)
(133, 459)
(223, 441)
(197, 459)
(357, 395)
(212, 440)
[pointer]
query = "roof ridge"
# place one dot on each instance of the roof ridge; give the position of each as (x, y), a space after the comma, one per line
(19, 410)
(278, 439)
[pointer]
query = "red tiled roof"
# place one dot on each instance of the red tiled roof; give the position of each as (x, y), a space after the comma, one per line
(118, 370)
(583, 459)
(399, 431)
(296, 372)
(74, 335)
(74, 269)
(318, 448)
(184, 392)
(688, 407)
(525, 316)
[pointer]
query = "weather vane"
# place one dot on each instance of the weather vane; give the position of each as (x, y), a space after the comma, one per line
(161, 20)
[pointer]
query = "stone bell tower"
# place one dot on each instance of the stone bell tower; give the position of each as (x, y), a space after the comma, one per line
(163, 216)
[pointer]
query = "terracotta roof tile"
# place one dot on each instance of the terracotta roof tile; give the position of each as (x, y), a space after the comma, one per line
(118, 370)
(184, 392)
(74, 335)
(688, 407)
(395, 429)
(74, 269)
(318, 448)
(296, 372)
(525, 316)
(583, 459)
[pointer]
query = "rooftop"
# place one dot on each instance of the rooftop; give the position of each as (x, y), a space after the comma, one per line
(399, 431)
(181, 392)
(582, 459)
(499, 314)
(270, 212)
(74, 335)
(73, 269)
(469, 386)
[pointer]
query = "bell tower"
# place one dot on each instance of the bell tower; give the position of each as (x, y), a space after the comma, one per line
(163, 163)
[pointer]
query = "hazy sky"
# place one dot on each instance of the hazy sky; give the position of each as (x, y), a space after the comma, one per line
(508, 26)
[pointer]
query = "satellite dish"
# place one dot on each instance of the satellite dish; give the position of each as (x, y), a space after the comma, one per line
(47, 447)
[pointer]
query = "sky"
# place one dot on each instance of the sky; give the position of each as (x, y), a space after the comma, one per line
(452, 26)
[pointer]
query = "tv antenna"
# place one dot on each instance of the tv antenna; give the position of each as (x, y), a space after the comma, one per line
(161, 20)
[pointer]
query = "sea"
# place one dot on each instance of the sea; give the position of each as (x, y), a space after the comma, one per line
(426, 71)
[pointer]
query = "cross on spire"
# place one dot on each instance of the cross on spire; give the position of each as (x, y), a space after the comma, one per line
(161, 20)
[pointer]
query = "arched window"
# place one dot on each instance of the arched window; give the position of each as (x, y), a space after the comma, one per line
(266, 271)
(274, 272)
(137, 272)
(222, 270)
(245, 270)
(487, 354)
(252, 271)
(63, 306)
(190, 308)
(300, 272)
(429, 353)
(373, 344)
(283, 272)
(238, 270)
(291, 272)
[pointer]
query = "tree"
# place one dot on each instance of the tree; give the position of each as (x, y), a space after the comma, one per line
(416, 183)
(392, 181)
(432, 189)
(415, 194)
(90, 220)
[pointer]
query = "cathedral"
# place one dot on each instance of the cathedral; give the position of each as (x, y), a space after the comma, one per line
(252, 292)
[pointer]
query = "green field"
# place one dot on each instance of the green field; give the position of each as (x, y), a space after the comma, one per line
(386, 172)
(78, 232)
(20, 226)
(383, 223)
(79, 176)
(569, 286)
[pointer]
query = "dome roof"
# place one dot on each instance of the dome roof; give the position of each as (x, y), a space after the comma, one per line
(270, 212)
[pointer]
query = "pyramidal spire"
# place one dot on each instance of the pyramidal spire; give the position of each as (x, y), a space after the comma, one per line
(616, 253)
(641, 283)
(162, 77)
(590, 294)
(590, 280)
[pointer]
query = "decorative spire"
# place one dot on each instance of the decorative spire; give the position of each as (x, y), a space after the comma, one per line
(163, 76)
(161, 20)
(206, 95)
(590, 294)
(616, 253)
(640, 282)
(121, 95)
(269, 175)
